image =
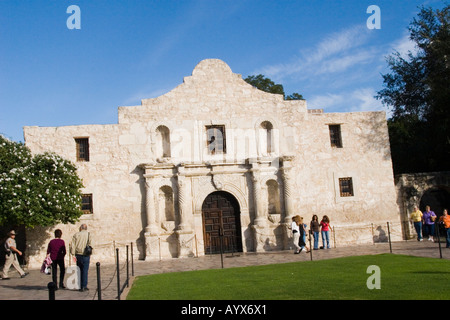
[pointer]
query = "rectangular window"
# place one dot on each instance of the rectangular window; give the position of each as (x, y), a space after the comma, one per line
(215, 139)
(335, 135)
(82, 149)
(86, 204)
(346, 187)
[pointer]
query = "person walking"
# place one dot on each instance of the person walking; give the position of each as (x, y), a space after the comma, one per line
(416, 218)
(325, 230)
(11, 256)
(296, 233)
(77, 246)
(315, 229)
(302, 238)
(57, 251)
(428, 223)
(445, 221)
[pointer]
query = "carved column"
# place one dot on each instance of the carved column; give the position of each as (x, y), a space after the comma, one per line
(288, 201)
(184, 232)
(150, 207)
(260, 219)
(183, 203)
(151, 230)
(260, 222)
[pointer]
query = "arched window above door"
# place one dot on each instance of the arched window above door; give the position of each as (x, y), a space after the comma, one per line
(267, 137)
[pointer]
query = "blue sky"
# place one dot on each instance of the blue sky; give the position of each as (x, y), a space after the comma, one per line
(130, 50)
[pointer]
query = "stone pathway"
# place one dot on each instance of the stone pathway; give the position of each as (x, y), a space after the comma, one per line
(34, 286)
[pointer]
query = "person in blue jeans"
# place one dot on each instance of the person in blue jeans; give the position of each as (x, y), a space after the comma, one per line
(325, 225)
(416, 218)
(77, 248)
(315, 229)
(445, 221)
(428, 223)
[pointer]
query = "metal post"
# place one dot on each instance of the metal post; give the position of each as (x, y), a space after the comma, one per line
(333, 231)
(436, 231)
(99, 282)
(51, 290)
(310, 247)
(373, 235)
(118, 273)
(128, 277)
(132, 261)
(389, 236)
(159, 244)
(221, 245)
(196, 246)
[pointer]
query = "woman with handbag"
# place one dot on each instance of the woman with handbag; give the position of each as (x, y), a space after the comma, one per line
(57, 251)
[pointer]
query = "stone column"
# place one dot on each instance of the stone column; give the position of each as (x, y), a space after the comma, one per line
(184, 200)
(260, 219)
(288, 201)
(150, 207)
(151, 230)
(260, 223)
(185, 234)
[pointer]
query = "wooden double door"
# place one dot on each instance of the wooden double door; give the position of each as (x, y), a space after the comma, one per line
(221, 223)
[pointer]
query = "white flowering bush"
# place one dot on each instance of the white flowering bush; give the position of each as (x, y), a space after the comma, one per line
(40, 190)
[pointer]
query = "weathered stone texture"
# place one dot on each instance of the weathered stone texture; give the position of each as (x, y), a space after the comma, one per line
(128, 172)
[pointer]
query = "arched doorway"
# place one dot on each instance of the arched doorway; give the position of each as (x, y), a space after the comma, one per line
(221, 223)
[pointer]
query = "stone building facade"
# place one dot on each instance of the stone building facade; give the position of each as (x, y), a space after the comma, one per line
(218, 162)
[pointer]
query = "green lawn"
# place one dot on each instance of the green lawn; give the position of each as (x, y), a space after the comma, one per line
(401, 277)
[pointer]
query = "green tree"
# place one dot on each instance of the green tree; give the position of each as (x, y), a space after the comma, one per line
(267, 85)
(417, 91)
(40, 190)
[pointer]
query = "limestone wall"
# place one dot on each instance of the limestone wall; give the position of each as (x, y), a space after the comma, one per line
(213, 95)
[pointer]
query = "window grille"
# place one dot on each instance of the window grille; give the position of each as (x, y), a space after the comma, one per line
(335, 135)
(346, 187)
(82, 149)
(86, 204)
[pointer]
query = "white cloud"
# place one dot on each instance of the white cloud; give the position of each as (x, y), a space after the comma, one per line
(327, 101)
(403, 45)
(337, 52)
(342, 70)
(364, 100)
(361, 99)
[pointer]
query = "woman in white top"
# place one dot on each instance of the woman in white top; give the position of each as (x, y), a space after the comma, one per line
(295, 233)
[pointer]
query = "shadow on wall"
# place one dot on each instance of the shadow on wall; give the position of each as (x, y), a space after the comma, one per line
(376, 138)
(381, 236)
(276, 242)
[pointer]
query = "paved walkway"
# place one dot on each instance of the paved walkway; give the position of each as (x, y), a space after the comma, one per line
(34, 286)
